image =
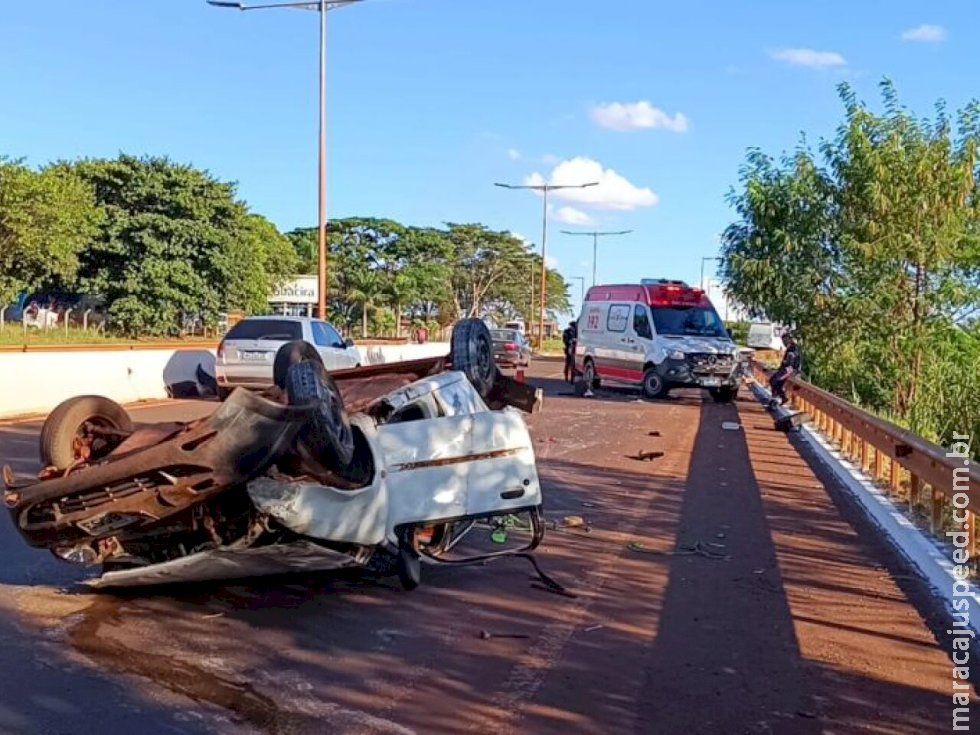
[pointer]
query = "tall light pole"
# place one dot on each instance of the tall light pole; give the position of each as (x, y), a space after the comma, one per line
(582, 279)
(322, 7)
(706, 258)
(595, 243)
(544, 189)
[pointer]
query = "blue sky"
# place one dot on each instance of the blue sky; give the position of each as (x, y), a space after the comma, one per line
(431, 101)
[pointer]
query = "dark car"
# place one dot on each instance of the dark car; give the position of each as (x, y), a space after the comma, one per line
(510, 349)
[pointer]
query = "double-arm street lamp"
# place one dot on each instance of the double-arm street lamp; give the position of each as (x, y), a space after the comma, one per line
(544, 189)
(595, 243)
(322, 7)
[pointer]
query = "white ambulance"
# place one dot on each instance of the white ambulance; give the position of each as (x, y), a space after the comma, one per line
(658, 334)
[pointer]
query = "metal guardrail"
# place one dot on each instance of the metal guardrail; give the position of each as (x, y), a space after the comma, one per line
(892, 456)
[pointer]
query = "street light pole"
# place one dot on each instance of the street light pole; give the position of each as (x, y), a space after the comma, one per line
(702, 269)
(322, 7)
(595, 244)
(544, 189)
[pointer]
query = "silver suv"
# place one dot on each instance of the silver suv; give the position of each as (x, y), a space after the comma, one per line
(247, 353)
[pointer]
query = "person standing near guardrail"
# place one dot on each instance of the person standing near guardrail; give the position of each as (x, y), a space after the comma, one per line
(789, 367)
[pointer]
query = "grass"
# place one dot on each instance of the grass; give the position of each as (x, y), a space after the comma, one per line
(553, 347)
(15, 336)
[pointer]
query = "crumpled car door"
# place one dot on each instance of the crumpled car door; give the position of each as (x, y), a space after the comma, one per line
(428, 465)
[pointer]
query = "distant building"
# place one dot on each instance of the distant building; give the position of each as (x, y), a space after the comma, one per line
(297, 297)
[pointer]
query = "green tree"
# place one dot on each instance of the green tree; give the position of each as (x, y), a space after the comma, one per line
(871, 249)
(174, 242)
(46, 219)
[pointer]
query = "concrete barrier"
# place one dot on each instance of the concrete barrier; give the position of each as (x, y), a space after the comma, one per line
(35, 382)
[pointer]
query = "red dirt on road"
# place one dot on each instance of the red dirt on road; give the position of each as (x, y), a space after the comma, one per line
(720, 588)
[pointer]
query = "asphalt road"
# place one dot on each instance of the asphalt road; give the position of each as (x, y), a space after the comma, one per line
(759, 602)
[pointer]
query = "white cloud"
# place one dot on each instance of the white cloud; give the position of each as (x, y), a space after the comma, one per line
(552, 262)
(925, 34)
(514, 154)
(572, 216)
(809, 57)
(637, 116)
(613, 191)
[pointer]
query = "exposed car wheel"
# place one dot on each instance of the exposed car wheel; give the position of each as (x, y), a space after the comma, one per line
(725, 394)
(327, 433)
(472, 353)
(292, 353)
(83, 428)
(407, 562)
(653, 384)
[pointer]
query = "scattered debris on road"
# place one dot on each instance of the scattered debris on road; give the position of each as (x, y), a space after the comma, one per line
(646, 456)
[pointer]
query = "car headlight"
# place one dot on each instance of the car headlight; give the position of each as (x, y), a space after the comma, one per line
(676, 355)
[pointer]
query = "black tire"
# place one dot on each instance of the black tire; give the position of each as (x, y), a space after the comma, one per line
(409, 567)
(471, 351)
(327, 434)
(654, 385)
(68, 422)
(293, 353)
(725, 394)
(589, 377)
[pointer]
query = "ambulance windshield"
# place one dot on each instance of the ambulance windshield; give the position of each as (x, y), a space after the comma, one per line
(687, 321)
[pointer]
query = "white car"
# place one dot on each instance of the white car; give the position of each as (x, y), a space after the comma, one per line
(436, 462)
(246, 356)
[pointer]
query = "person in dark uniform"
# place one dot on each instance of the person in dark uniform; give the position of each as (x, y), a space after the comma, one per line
(568, 338)
(787, 368)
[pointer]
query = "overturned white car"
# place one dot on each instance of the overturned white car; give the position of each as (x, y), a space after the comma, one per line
(283, 481)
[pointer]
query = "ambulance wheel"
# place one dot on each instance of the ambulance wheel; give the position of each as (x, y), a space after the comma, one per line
(653, 384)
(589, 377)
(471, 351)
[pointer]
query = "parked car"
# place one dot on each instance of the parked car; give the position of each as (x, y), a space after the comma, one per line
(510, 349)
(246, 355)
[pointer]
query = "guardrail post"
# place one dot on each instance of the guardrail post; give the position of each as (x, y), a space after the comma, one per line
(879, 464)
(894, 475)
(938, 507)
(915, 487)
(67, 314)
(85, 319)
(847, 443)
(864, 455)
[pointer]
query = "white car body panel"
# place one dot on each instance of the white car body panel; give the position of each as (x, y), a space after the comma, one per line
(427, 470)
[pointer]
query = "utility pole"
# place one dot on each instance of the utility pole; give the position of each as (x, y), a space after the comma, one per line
(595, 243)
(322, 7)
(706, 258)
(544, 189)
